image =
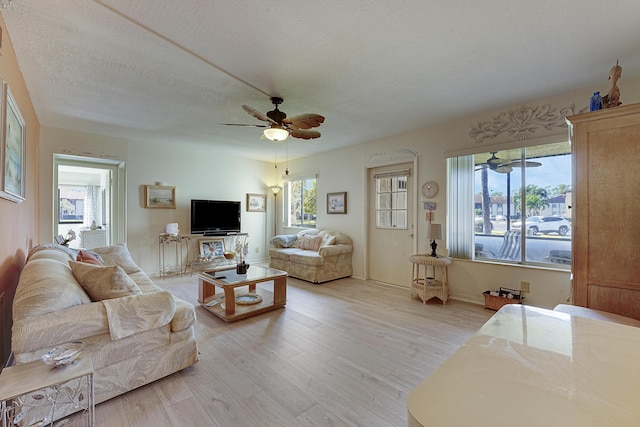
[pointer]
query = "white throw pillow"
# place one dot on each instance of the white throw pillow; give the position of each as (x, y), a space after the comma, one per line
(103, 282)
(328, 240)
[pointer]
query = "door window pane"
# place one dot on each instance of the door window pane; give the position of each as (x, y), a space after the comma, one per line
(391, 202)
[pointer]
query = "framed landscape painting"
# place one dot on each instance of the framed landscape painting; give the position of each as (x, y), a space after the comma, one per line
(12, 149)
(256, 202)
(160, 196)
(337, 203)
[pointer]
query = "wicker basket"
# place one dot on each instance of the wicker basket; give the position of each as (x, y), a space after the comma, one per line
(495, 303)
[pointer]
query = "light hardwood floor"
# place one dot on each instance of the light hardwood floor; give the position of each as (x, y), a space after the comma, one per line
(344, 353)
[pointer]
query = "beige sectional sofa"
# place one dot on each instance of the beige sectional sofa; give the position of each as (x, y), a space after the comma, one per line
(133, 339)
(316, 256)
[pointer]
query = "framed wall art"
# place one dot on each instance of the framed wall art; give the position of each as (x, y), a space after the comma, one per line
(160, 196)
(212, 248)
(337, 203)
(256, 202)
(12, 148)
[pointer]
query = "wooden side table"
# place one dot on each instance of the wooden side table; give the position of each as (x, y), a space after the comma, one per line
(18, 384)
(427, 282)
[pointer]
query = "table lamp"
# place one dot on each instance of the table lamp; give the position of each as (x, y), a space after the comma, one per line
(434, 233)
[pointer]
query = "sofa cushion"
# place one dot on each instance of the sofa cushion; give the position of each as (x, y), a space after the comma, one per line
(118, 255)
(46, 286)
(310, 258)
(311, 242)
(71, 253)
(103, 282)
(283, 253)
(283, 240)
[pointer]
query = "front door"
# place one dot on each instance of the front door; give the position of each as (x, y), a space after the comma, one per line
(391, 217)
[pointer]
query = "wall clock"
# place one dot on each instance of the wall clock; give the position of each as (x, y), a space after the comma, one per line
(430, 189)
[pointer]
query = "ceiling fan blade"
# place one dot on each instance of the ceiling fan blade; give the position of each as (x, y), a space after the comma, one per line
(304, 134)
(257, 114)
(244, 125)
(527, 164)
(304, 121)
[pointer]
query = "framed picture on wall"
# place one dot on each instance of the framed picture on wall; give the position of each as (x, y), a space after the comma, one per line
(160, 196)
(256, 202)
(337, 203)
(12, 148)
(212, 248)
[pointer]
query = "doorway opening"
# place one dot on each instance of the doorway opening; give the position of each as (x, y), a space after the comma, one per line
(89, 201)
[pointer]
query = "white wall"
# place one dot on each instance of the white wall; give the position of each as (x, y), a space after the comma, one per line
(196, 172)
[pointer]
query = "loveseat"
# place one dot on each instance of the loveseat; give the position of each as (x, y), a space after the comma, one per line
(135, 331)
(316, 256)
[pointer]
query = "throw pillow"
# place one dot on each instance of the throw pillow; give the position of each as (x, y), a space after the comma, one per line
(118, 255)
(89, 258)
(311, 242)
(328, 240)
(103, 282)
(283, 241)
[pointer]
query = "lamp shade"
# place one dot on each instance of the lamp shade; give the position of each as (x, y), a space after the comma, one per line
(276, 133)
(434, 232)
(276, 189)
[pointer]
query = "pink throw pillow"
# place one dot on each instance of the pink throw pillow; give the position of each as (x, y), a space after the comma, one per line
(88, 257)
(311, 242)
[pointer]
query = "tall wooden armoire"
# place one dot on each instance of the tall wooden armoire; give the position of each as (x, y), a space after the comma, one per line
(606, 209)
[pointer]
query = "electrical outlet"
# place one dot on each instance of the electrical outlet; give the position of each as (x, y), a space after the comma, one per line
(257, 250)
(524, 287)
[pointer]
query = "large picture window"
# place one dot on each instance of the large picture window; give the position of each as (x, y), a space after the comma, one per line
(521, 205)
(301, 199)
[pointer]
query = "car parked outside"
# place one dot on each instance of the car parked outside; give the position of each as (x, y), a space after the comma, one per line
(544, 225)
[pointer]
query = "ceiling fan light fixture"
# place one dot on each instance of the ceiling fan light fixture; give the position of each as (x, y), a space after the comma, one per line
(276, 133)
(504, 169)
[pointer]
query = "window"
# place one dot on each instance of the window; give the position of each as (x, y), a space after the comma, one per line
(71, 203)
(301, 198)
(520, 208)
(391, 200)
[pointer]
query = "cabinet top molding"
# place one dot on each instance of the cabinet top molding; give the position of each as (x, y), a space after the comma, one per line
(604, 114)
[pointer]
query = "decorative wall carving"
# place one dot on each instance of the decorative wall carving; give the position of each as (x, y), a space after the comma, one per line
(523, 122)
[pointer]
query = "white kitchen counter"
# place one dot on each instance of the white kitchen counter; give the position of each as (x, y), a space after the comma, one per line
(530, 367)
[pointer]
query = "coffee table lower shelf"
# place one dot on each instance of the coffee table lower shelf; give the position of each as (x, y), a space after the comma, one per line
(242, 311)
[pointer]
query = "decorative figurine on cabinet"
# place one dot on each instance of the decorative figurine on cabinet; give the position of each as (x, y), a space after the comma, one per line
(612, 99)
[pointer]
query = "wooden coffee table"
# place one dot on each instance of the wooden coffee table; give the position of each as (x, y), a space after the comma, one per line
(223, 304)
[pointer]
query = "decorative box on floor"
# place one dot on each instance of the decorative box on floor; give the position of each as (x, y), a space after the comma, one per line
(494, 300)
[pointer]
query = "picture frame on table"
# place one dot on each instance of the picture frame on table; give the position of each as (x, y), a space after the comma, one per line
(12, 148)
(337, 203)
(256, 202)
(160, 196)
(212, 248)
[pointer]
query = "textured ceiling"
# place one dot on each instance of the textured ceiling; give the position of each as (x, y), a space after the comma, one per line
(172, 71)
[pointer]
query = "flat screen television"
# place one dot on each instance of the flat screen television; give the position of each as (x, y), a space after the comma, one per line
(215, 217)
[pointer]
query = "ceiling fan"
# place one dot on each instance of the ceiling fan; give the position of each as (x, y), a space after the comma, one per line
(279, 126)
(506, 166)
